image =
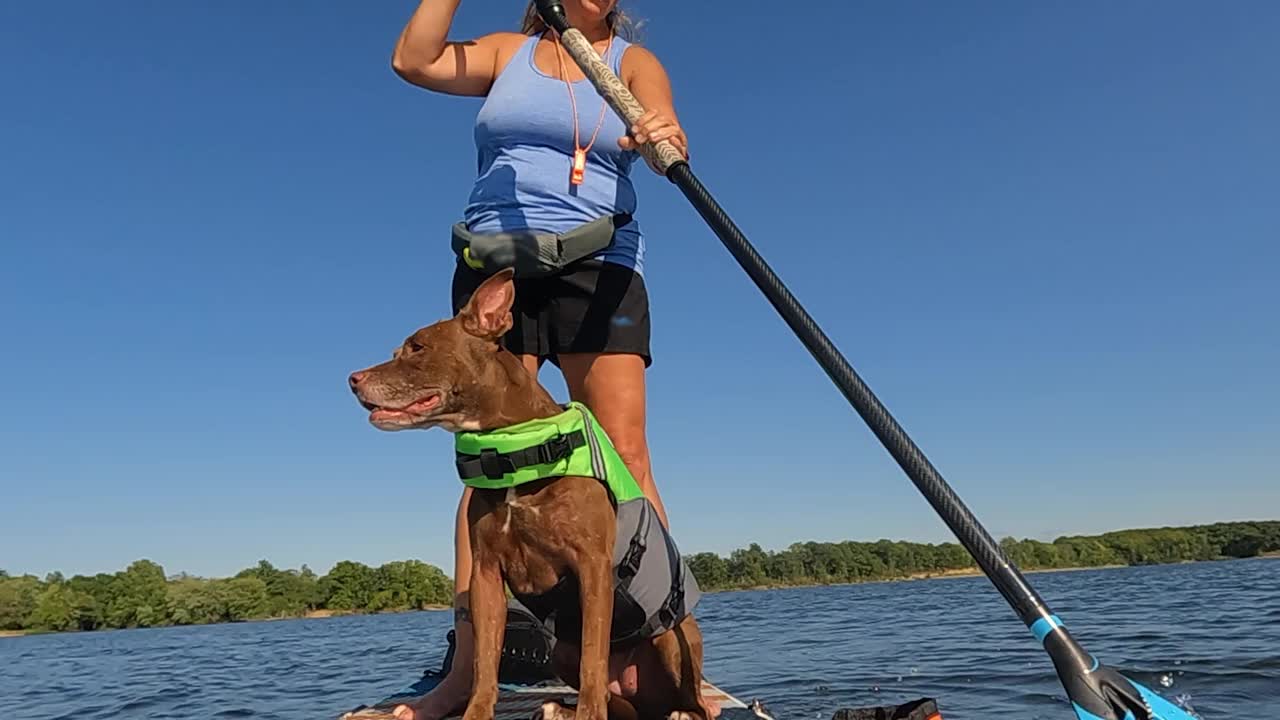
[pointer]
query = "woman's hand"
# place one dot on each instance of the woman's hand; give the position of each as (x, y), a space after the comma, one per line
(648, 82)
(654, 127)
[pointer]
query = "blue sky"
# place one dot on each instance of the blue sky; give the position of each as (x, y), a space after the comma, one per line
(1046, 235)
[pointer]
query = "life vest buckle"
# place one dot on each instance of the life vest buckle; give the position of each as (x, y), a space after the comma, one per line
(557, 448)
(494, 464)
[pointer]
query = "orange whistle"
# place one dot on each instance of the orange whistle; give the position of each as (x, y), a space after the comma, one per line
(579, 166)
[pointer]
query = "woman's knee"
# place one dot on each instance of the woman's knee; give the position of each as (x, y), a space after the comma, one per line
(633, 448)
(624, 423)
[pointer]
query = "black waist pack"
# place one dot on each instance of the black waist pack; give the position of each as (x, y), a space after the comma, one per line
(531, 253)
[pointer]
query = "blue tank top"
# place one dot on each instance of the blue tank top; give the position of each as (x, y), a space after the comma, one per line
(524, 144)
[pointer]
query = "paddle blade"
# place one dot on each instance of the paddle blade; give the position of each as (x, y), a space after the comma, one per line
(1161, 709)
(1105, 694)
(1097, 692)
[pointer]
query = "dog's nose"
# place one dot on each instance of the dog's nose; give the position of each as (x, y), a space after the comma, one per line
(356, 378)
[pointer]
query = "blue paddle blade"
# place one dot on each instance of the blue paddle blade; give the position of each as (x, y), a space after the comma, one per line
(1127, 700)
(1161, 709)
(1098, 692)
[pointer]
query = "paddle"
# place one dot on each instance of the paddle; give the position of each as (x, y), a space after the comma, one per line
(1096, 692)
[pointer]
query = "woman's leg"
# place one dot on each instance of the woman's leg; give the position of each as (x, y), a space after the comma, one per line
(612, 385)
(455, 689)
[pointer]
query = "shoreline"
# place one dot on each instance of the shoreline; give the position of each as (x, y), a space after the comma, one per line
(310, 615)
(975, 572)
(912, 577)
(941, 575)
(325, 614)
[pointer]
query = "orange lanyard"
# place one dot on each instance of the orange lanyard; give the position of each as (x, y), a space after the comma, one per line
(579, 152)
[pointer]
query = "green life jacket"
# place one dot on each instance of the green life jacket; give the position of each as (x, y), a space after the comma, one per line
(570, 443)
(654, 589)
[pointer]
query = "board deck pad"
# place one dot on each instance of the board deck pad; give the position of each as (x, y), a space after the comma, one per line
(519, 702)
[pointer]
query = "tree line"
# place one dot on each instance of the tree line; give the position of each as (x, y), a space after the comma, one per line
(143, 596)
(814, 563)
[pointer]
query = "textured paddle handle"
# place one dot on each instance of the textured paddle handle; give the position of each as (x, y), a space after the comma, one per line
(662, 155)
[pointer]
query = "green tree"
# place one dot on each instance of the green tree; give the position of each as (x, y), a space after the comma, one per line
(747, 567)
(349, 586)
(786, 567)
(409, 585)
(955, 557)
(246, 598)
(138, 597)
(18, 597)
(290, 593)
(861, 563)
(710, 570)
(195, 601)
(60, 608)
(1243, 540)
(100, 588)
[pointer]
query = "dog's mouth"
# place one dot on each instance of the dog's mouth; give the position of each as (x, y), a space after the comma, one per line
(414, 414)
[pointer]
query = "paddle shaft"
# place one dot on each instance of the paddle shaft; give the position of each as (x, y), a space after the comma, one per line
(988, 554)
(1095, 692)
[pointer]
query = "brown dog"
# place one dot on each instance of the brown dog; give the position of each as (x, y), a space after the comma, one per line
(536, 536)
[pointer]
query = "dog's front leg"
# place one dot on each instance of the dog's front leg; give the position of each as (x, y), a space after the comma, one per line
(595, 585)
(488, 620)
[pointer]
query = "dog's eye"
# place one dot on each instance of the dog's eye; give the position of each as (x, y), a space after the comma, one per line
(414, 346)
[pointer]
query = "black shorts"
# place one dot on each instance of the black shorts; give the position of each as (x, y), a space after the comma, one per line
(590, 307)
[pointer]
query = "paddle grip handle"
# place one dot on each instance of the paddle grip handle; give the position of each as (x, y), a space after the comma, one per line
(663, 155)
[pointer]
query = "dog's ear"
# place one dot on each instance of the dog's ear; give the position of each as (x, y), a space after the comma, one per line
(487, 313)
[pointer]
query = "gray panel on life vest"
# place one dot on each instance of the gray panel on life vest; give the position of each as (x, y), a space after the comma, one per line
(661, 566)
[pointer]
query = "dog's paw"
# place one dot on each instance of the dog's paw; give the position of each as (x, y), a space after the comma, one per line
(684, 715)
(552, 710)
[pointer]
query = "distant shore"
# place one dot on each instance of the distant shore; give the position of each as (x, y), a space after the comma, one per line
(310, 615)
(939, 575)
(913, 577)
(321, 614)
(975, 572)
(144, 595)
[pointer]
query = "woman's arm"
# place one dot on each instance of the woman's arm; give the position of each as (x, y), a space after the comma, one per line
(425, 57)
(647, 80)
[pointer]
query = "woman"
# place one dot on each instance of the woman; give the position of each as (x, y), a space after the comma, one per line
(553, 156)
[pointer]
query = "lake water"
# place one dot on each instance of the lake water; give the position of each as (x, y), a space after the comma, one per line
(1208, 633)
